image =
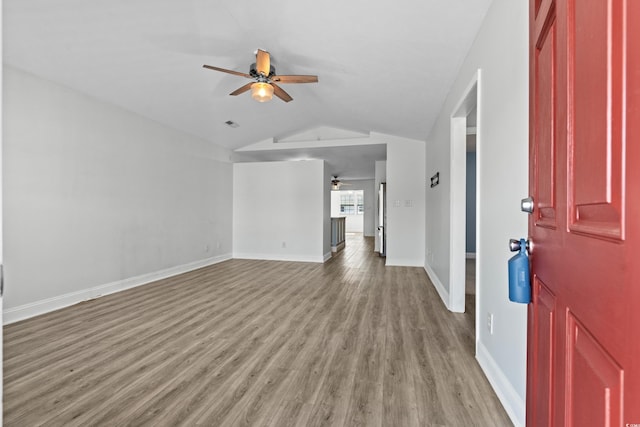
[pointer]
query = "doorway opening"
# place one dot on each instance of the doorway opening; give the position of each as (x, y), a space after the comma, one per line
(470, 214)
(464, 252)
(349, 204)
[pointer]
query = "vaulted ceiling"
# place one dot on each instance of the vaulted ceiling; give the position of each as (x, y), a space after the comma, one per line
(383, 66)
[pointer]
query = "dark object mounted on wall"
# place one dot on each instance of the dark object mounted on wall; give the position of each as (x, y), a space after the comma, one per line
(435, 179)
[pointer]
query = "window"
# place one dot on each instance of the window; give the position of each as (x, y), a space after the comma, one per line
(347, 206)
(351, 203)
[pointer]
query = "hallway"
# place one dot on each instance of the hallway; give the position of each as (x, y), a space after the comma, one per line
(244, 342)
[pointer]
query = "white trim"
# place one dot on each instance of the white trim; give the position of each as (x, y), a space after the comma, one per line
(273, 144)
(479, 202)
(508, 396)
(396, 262)
(337, 248)
(457, 190)
(444, 294)
(36, 308)
(470, 255)
(328, 256)
(457, 221)
(272, 257)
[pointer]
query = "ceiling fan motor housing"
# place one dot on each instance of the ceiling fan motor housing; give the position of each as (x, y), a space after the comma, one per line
(253, 71)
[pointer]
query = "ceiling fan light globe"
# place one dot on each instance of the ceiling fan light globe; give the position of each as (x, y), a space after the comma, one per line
(261, 92)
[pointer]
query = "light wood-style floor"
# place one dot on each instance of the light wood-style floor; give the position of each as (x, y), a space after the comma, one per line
(347, 343)
(470, 276)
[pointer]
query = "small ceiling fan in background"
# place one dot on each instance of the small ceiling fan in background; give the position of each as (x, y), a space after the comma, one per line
(264, 79)
(336, 183)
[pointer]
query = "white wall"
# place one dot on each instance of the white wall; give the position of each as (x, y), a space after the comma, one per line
(279, 210)
(501, 52)
(326, 213)
(335, 204)
(354, 224)
(1, 222)
(98, 199)
(405, 202)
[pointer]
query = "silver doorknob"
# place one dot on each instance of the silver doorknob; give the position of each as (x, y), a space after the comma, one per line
(526, 205)
(515, 245)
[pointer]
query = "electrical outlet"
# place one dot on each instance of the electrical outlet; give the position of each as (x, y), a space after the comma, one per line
(206, 248)
(284, 245)
(490, 323)
(217, 245)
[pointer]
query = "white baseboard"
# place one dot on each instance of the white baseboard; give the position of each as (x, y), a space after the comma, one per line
(444, 294)
(398, 262)
(273, 257)
(36, 308)
(327, 256)
(338, 247)
(513, 404)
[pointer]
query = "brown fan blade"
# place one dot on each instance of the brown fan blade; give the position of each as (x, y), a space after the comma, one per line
(243, 89)
(224, 70)
(280, 93)
(263, 62)
(295, 79)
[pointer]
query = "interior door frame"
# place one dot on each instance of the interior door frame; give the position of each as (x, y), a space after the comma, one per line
(470, 99)
(1, 238)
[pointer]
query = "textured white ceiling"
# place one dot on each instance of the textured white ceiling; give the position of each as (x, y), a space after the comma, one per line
(383, 66)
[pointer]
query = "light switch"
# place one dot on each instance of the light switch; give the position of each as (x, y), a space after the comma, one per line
(397, 203)
(408, 203)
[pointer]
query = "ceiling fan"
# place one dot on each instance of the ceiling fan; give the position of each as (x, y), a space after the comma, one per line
(336, 183)
(264, 79)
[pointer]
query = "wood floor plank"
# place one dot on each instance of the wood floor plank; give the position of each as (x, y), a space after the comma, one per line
(254, 343)
(164, 393)
(290, 414)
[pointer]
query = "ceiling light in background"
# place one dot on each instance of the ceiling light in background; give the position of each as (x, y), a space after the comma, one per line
(261, 92)
(336, 183)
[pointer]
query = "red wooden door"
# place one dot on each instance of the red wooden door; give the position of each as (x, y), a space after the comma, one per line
(584, 319)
